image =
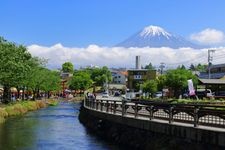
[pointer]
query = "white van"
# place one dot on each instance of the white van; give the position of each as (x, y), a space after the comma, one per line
(204, 93)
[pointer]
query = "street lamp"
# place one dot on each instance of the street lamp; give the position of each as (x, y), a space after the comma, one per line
(210, 58)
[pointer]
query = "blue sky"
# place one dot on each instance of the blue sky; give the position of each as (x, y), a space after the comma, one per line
(79, 23)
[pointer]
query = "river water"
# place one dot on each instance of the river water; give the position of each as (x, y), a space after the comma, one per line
(52, 128)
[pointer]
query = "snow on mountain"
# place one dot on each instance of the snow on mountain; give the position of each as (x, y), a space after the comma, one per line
(154, 31)
(154, 36)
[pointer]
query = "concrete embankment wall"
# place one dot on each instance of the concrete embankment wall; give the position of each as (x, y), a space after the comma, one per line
(144, 134)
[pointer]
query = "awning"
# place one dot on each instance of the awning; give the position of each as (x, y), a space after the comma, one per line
(212, 81)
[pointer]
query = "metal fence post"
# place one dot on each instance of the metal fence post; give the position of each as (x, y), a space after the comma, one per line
(171, 114)
(101, 104)
(123, 103)
(107, 106)
(151, 112)
(196, 117)
(135, 111)
(96, 104)
(114, 107)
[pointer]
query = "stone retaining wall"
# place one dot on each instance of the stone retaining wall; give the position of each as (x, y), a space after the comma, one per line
(144, 134)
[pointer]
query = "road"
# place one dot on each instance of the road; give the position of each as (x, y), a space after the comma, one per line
(99, 97)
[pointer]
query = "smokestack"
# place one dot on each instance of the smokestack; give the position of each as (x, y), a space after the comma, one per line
(138, 62)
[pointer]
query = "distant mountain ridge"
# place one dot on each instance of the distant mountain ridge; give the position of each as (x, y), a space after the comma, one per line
(154, 36)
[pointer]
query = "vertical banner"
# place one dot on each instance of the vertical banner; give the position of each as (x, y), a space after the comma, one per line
(191, 88)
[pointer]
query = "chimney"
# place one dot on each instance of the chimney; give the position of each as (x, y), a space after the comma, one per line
(138, 62)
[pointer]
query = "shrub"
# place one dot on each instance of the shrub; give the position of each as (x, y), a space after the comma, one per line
(41, 104)
(3, 112)
(2, 119)
(52, 102)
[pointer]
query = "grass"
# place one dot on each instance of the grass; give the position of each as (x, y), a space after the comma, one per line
(52, 102)
(20, 108)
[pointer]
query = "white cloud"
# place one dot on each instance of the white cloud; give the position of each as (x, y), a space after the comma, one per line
(209, 37)
(117, 56)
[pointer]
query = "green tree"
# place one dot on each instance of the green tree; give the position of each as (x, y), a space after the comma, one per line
(149, 86)
(181, 67)
(192, 67)
(67, 67)
(51, 82)
(161, 82)
(81, 80)
(201, 67)
(101, 75)
(36, 80)
(149, 66)
(14, 66)
(177, 80)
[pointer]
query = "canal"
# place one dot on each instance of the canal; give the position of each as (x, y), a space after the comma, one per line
(52, 128)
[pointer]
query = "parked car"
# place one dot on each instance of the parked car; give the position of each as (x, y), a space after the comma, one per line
(117, 93)
(105, 94)
(158, 94)
(204, 93)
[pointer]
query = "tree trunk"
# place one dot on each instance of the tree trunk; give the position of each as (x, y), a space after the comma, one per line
(18, 92)
(23, 94)
(48, 94)
(6, 94)
(38, 94)
(34, 94)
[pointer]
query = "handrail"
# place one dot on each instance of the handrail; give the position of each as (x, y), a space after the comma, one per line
(196, 114)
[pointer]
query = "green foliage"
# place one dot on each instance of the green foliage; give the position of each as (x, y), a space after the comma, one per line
(149, 86)
(149, 66)
(100, 75)
(181, 67)
(19, 69)
(161, 82)
(43, 79)
(52, 102)
(67, 67)
(177, 80)
(201, 67)
(14, 60)
(3, 112)
(81, 80)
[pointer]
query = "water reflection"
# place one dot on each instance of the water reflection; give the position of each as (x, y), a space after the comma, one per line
(50, 128)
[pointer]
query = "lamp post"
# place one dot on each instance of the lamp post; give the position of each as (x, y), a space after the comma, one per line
(210, 58)
(162, 65)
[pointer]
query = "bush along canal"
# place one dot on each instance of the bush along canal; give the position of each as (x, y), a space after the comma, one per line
(20, 108)
(49, 128)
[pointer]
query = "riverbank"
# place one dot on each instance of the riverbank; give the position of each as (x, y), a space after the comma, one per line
(20, 108)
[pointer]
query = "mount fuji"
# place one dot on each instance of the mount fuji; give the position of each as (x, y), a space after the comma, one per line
(154, 36)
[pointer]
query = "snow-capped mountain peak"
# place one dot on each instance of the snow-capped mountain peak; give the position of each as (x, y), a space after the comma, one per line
(154, 36)
(154, 31)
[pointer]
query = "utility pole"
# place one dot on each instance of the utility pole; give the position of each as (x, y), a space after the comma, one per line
(162, 65)
(210, 58)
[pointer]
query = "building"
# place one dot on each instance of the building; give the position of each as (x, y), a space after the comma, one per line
(119, 77)
(216, 72)
(215, 85)
(138, 76)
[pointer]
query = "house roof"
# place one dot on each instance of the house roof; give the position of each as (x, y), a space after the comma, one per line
(125, 73)
(212, 81)
(217, 66)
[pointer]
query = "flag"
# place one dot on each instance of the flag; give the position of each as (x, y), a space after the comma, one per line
(191, 88)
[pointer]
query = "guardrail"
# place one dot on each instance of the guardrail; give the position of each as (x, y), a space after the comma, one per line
(207, 115)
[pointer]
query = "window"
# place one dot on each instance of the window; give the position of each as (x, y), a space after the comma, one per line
(137, 76)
